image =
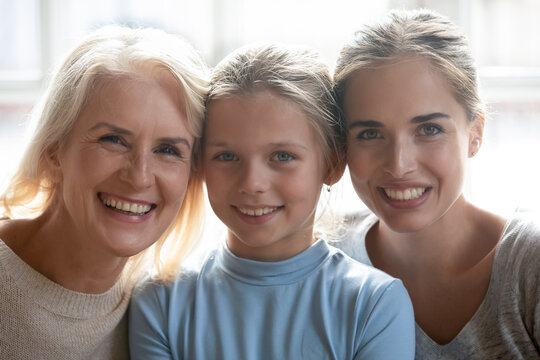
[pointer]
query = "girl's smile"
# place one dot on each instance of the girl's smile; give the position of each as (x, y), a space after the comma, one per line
(264, 172)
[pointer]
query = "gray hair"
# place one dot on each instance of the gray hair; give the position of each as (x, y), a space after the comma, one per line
(422, 33)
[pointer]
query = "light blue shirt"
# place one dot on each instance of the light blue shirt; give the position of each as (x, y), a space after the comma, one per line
(320, 304)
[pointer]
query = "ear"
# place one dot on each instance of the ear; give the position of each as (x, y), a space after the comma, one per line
(335, 172)
(476, 134)
(52, 163)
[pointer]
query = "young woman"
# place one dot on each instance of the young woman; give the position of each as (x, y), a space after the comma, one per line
(408, 91)
(274, 290)
(107, 174)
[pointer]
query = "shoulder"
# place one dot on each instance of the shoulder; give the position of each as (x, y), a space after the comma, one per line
(520, 242)
(380, 306)
(368, 282)
(517, 256)
(352, 238)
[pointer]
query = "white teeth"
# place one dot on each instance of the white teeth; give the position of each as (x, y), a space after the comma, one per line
(407, 194)
(126, 206)
(257, 212)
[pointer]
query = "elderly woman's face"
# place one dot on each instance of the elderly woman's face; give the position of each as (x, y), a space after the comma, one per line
(409, 139)
(125, 168)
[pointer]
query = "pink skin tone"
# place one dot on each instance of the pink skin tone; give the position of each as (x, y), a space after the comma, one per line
(264, 172)
(408, 144)
(130, 144)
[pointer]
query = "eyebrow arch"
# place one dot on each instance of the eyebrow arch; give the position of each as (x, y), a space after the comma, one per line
(175, 140)
(167, 140)
(423, 118)
(365, 123)
(112, 127)
(415, 120)
(276, 144)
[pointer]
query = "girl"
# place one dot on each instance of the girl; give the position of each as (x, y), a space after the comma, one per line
(273, 290)
(409, 93)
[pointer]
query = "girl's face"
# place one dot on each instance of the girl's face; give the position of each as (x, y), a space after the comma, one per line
(264, 172)
(409, 139)
(124, 170)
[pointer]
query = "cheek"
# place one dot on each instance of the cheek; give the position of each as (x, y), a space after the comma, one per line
(360, 166)
(175, 181)
(216, 181)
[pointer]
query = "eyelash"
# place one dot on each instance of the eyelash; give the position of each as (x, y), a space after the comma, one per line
(423, 127)
(220, 157)
(276, 156)
(114, 139)
(169, 150)
(372, 134)
(363, 135)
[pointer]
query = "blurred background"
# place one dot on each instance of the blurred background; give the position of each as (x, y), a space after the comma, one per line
(35, 35)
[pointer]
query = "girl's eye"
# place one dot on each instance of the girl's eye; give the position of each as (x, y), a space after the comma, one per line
(368, 134)
(226, 157)
(429, 129)
(282, 156)
(169, 150)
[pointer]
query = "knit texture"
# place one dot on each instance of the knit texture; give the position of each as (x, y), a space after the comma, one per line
(42, 320)
(507, 323)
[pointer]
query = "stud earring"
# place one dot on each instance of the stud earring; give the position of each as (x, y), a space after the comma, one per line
(329, 188)
(473, 153)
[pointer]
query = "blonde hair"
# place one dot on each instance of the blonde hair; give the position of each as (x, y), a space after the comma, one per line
(295, 73)
(422, 33)
(105, 55)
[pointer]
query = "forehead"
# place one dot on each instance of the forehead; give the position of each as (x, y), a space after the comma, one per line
(259, 117)
(407, 87)
(261, 108)
(140, 99)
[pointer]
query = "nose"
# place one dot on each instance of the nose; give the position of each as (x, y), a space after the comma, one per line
(254, 179)
(138, 171)
(401, 158)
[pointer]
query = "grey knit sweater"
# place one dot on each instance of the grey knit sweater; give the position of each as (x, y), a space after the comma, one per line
(507, 323)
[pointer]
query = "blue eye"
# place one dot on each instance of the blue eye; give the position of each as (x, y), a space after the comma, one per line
(429, 129)
(368, 134)
(226, 157)
(282, 156)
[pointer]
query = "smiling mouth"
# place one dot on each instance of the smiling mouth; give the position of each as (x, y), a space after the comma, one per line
(259, 211)
(403, 195)
(126, 207)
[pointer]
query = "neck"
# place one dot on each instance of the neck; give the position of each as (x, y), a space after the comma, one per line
(65, 255)
(457, 241)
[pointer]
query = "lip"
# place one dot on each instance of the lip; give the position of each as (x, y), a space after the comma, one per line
(124, 216)
(256, 220)
(405, 204)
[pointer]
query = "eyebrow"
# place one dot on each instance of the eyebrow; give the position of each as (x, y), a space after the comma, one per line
(415, 120)
(167, 140)
(276, 144)
(423, 118)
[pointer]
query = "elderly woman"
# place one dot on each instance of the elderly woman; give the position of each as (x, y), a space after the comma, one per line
(105, 180)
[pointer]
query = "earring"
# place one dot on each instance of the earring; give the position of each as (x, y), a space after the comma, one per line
(473, 153)
(329, 188)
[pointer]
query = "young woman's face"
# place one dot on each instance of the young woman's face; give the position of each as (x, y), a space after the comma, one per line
(125, 168)
(409, 140)
(264, 172)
